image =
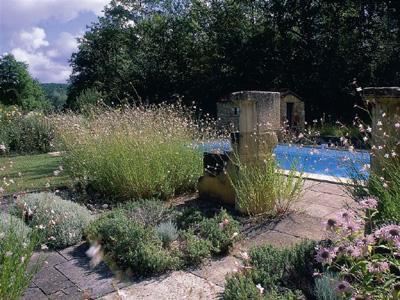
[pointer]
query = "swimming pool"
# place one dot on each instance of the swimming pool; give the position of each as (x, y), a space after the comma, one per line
(316, 160)
(321, 160)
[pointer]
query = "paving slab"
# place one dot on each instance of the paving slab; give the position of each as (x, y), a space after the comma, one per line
(50, 281)
(95, 282)
(329, 188)
(216, 270)
(34, 293)
(314, 209)
(301, 225)
(178, 285)
(269, 237)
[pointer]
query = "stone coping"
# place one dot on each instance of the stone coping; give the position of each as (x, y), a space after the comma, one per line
(386, 92)
(322, 178)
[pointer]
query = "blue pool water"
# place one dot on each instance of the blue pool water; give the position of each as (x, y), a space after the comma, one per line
(320, 160)
(317, 160)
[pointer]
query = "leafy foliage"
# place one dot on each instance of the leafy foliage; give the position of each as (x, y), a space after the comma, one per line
(130, 244)
(56, 94)
(25, 133)
(153, 50)
(221, 231)
(17, 87)
(280, 272)
(62, 221)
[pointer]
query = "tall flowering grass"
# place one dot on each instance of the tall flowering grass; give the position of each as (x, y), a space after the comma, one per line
(17, 244)
(134, 152)
(262, 190)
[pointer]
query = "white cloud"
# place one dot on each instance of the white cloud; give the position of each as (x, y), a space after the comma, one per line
(65, 44)
(16, 14)
(32, 39)
(41, 66)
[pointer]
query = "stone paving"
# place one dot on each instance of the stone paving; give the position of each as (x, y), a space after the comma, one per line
(68, 275)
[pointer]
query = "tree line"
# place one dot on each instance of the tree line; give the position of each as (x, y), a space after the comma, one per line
(201, 50)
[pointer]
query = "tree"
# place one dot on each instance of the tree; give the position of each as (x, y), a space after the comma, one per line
(153, 50)
(17, 87)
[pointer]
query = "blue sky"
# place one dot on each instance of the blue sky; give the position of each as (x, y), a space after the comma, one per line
(43, 33)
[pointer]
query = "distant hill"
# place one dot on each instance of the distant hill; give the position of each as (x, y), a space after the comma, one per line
(56, 93)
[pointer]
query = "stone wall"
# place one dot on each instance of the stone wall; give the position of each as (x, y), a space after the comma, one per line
(298, 115)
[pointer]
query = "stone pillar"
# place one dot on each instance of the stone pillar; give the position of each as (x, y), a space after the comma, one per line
(259, 124)
(385, 103)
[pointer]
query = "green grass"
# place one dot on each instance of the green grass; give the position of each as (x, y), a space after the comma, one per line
(31, 172)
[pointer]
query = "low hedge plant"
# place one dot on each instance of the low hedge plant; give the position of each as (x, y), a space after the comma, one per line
(129, 241)
(61, 221)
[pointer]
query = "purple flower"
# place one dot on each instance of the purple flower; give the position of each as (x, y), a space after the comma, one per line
(325, 255)
(378, 267)
(389, 233)
(342, 287)
(346, 216)
(351, 226)
(353, 251)
(369, 203)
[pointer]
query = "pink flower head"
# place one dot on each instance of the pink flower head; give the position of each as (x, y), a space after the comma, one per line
(389, 233)
(378, 267)
(346, 216)
(352, 226)
(353, 251)
(325, 255)
(223, 223)
(369, 203)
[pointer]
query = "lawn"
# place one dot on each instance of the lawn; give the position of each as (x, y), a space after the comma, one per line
(31, 172)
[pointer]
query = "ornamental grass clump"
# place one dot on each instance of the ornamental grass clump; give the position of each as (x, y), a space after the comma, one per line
(134, 152)
(262, 190)
(61, 221)
(17, 243)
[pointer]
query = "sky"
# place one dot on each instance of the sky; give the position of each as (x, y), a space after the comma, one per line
(43, 33)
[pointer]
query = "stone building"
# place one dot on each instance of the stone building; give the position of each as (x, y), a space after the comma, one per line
(292, 110)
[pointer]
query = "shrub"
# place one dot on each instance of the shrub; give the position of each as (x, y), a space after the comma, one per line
(17, 243)
(221, 230)
(147, 212)
(130, 245)
(194, 249)
(279, 273)
(260, 189)
(188, 218)
(167, 232)
(134, 153)
(62, 221)
(19, 227)
(239, 287)
(324, 287)
(25, 133)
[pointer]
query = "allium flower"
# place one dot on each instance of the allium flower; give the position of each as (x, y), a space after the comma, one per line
(342, 287)
(378, 267)
(325, 255)
(397, 125)
(369, 203)
(388, 233)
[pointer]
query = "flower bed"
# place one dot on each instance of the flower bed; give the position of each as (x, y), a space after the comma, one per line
(147, 238)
